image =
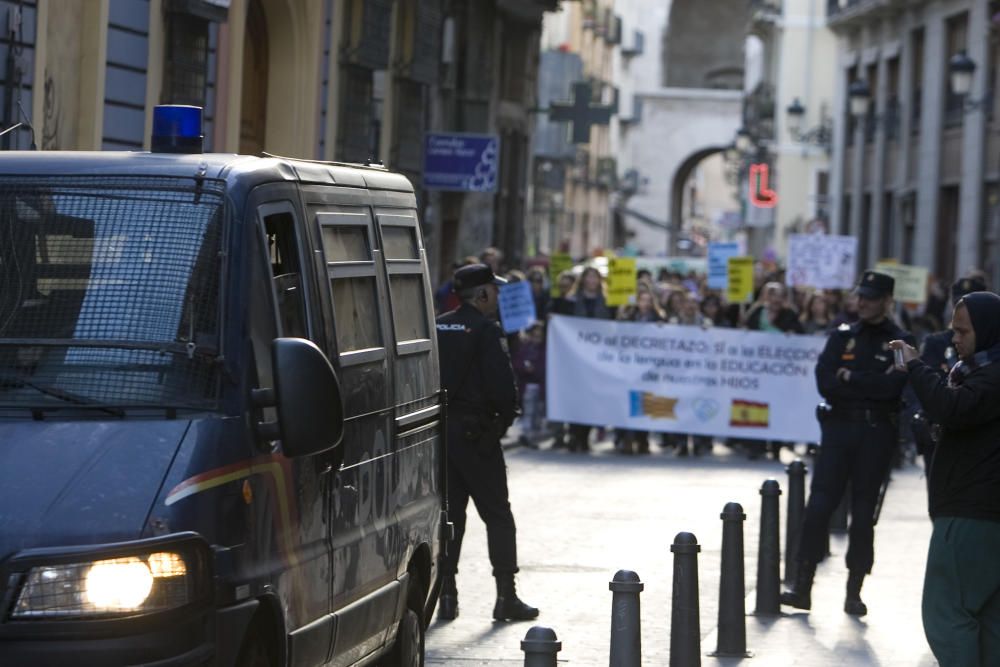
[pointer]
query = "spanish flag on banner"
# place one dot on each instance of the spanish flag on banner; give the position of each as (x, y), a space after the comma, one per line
(749, 413)
(645, 404)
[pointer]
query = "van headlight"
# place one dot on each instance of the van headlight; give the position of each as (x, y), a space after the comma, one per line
(127, 585)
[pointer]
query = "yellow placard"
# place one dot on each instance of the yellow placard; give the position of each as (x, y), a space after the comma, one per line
(740, 274)
(911, 281)
(621, 281)
(558, 263)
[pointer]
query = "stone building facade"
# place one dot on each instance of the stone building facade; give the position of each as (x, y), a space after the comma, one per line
(916, 177)
(347, 80)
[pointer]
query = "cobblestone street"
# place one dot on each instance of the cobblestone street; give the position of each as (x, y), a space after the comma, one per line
(583, 517)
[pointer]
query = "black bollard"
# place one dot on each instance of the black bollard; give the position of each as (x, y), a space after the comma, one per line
(732, 636)
(540, 646)
(732, 639)
(685, 627)
(796, 512)
(626, 638)
(769, 552)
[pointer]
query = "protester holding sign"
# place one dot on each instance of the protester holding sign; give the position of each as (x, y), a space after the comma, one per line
(860, 430)
(645, 310)
(816, 315)
(539, 291)
(772, 313)
(587, 299)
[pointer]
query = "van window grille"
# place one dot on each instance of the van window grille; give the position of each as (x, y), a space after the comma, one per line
(109, 291)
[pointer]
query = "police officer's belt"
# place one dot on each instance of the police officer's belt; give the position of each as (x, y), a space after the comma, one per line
(863, 415)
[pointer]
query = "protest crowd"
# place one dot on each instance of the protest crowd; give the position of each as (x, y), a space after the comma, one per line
(671, 296)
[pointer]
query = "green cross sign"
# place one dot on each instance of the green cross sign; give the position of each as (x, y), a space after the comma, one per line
(580, 112)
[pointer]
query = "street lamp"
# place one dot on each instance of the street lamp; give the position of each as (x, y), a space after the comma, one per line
(961, 68)
(860, 96)
(744, 141)
(820, 135)
(795, 112)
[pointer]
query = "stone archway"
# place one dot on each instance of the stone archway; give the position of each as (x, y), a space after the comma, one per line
(681, 176)
(680, 127)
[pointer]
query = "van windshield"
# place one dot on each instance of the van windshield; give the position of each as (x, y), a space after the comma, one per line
(109, 291)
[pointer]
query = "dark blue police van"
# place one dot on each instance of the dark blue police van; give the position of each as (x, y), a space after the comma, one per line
(221, 428)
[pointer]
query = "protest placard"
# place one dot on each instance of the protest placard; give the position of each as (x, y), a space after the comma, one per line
(621, 281)
(683, 379)
(517, 306)
(739, 287)
(718, 263)
(822, 261)
(558, 263)
(911, 281)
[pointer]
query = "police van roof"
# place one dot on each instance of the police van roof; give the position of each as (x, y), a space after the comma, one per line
(224, 166)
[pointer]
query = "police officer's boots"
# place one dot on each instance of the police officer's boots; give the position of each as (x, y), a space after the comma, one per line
(800, 596)
(852, 603)
(448, 602)
(509, 607)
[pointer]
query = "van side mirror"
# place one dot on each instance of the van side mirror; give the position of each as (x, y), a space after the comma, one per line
(307, 397)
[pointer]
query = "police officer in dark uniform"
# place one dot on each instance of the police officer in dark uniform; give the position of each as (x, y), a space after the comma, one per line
(482, 404)
(859, 423)
(938, 352)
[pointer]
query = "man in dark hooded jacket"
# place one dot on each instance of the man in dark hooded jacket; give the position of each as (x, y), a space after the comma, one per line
(961, 600)
(938, 351)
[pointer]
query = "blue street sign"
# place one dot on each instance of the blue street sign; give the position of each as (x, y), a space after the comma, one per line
(461, 162)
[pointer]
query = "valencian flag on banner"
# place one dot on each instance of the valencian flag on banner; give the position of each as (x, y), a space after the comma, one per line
(749, 413)
(643, 403)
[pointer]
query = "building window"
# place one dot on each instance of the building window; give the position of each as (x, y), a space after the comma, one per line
(185, 71)
(892, 115)
(852, 122)
(956, 30)
(871, 122)
(515, 61)
(917, 43)
(887, 232)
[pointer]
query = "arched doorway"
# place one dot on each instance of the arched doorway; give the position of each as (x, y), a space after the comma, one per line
(253, 115)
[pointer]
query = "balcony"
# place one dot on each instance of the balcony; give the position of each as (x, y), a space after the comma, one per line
(607, 173)
(847, 13)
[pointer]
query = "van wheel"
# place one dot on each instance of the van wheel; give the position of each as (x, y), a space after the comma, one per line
(256, 650)
(408, 651)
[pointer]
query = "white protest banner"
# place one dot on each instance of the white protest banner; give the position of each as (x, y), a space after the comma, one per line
(684, 379)
(911, 281)
(718, 263)
(517, 306)
(822, 261)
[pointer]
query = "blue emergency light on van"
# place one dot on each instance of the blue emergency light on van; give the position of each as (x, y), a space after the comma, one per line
(176, 129)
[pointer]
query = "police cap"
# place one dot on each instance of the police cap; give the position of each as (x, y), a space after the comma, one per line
(875, 285)
(474, 275)
(964, 286)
